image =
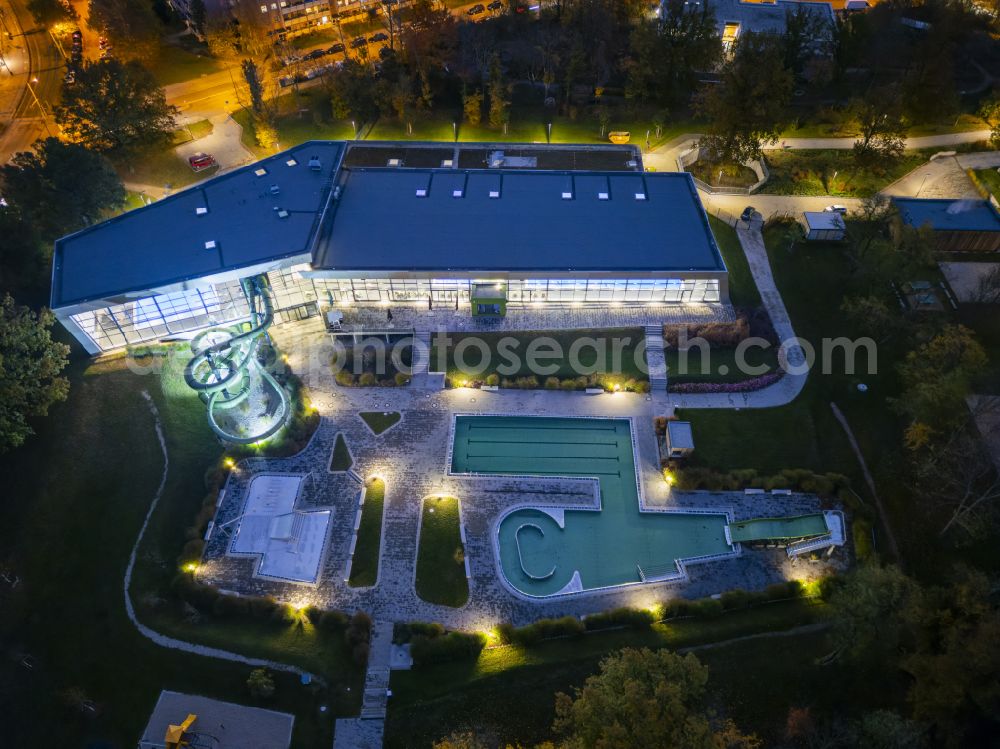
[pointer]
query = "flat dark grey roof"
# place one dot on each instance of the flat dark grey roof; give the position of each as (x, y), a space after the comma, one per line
(518, 221)
(164, 243)
(945, 214)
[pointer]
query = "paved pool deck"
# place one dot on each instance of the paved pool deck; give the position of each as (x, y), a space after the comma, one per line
(412, 458)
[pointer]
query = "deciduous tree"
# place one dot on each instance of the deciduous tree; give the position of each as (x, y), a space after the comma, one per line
(115, 107)
(131, 27)
(883, 130)
(61, 187)
(31, 364)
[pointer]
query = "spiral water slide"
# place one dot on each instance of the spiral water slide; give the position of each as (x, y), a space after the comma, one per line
(226, 373)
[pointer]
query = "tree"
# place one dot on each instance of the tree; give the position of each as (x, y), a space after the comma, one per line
(883, 130)
(955, 661)
(988, 287)
(254, 78)
(115, 107)
(641, 699)
(990, 113)
(24, 259)
(867, 609)
(131, 27)
(666, 55)
(472, 107)
(30, 367)
(745, 110)
(61, 187)
(804, 31)
(352, 93)
(956, 475)
(872, 315)
(51, 12)
(260, 683)
(199, 14)
(936, 377)
(499, 103)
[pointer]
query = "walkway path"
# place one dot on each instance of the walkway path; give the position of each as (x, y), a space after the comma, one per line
(788, 387)
(365, 731)
(156, 637)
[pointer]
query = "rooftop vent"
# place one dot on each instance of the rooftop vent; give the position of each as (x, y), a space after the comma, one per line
(394, 162)
(632, 163)
(447, 164)
(210, 244)
(567, 196)
(315, 164)
(494, 193)
(260, 172)
(282, 213)
(291, 162)
(603, 196)
(456, 193)
(421, 192)
(275, 189)
(200, 210)
(640, 196)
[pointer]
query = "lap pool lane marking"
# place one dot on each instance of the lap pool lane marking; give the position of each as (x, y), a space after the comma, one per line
(606, 547)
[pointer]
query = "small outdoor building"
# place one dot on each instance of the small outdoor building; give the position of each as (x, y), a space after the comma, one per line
(190, 720)
(824, 226)
(679, 439)
(958, 225)
(488, 299)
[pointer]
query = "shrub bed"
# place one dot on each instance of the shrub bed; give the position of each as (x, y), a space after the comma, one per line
(543, 629)
(427, 650)
(743, 386)
(622, 617)
(691, 478)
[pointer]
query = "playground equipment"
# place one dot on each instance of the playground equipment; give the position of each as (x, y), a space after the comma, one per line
(245, 403)
(177, 735)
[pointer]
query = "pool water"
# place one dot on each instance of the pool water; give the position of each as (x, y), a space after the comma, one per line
(590, 549)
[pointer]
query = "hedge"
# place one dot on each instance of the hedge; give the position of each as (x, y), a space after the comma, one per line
(623, 617)
(453, 646)
(543, 629)
(700, 477)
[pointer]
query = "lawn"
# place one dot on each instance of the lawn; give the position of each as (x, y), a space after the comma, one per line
(508, 692)
(175, 65)
(726, 175)
(161, 169)
(83, 486)
(990, 179)
(364, 565)
(833, 172)
(341, 458)
(718, 365)
(440, 554)
(379, 421)
(617, 352)
(742, 288)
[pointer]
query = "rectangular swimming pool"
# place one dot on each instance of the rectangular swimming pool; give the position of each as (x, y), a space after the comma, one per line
(545, 553)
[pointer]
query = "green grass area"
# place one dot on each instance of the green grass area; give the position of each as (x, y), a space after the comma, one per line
(789, 667)
(175, 65)
(192, 131)
(742, 288)
(833, 172)
(84, 485)
(341, 459)
(509, 691)
(160, 168)
(440, 554)
(615, 351)
(990, 179)
(364, 565)
(379, 421)
(718, 364)
(846, 128)
(723, 175)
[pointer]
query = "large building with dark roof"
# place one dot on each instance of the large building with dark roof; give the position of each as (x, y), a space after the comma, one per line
(330, 235)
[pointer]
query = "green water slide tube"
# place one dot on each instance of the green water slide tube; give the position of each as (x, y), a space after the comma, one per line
(225, 371)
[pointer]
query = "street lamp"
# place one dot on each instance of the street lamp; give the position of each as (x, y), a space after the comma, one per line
(45, 120)
(550, 132)
(454, 129)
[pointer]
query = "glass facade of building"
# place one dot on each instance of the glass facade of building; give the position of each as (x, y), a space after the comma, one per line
(178, 313)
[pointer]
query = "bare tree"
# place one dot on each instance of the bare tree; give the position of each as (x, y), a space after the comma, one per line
(988, 289)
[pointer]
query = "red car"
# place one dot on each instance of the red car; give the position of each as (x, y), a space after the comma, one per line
(200, 161)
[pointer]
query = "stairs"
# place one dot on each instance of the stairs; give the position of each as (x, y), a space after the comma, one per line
(373, 703)
(655, 358)
(421, 352)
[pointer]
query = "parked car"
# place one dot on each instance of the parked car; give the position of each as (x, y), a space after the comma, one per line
(748, 214)
(379, 36)
(315, 54)
(476, 9)
(335, 49)
(495, 6)
(841, 209)
(201, 161)
(358, 41)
